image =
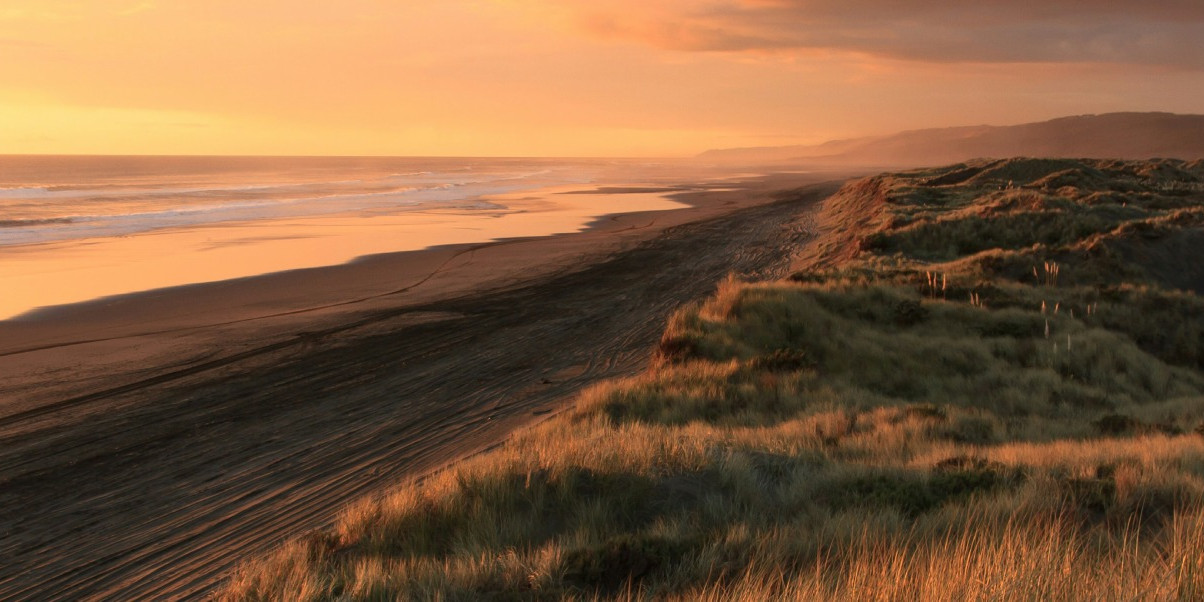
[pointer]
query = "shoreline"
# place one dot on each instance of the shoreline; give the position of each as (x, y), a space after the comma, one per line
(45, 275)
(197, 441)
(100, 339)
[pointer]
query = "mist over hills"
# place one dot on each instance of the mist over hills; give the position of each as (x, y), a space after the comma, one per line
(1107, 136)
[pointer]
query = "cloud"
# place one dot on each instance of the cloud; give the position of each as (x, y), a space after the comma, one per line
(1166, 32)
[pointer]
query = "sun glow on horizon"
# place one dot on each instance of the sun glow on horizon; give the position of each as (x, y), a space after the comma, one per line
(526, 77)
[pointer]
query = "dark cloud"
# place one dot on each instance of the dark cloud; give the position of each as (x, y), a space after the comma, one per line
(1167, 32)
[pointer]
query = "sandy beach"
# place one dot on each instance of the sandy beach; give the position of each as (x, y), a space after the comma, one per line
(66, 272)
(152, 439)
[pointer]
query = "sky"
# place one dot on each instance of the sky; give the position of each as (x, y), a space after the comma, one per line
(569, 77)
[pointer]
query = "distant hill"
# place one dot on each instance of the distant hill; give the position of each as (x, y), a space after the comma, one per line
(1108, 136)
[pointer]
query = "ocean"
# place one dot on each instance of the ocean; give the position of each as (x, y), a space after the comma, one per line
(80, 228)
(54, 198)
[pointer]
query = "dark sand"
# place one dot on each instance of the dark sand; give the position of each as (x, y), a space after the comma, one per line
(149, 442)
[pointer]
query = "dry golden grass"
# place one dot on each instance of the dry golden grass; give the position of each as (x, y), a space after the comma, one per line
(857, 433)
(1042, 560)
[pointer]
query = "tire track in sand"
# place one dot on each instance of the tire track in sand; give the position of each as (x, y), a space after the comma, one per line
(190, 473)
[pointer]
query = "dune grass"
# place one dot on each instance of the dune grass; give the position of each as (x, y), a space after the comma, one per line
(983, 388)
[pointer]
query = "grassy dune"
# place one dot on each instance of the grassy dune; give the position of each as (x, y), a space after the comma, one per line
(986, 381)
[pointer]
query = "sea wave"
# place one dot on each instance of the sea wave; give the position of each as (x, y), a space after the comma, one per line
(23, 192)
(129, 191)
(26, 223)
(63, 205)
(85, 225)
(216, 208)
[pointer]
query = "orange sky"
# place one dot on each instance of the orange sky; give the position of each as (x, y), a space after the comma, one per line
(568, 77)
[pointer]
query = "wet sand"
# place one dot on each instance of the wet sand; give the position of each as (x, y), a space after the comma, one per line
(73, 271)
(148, 442)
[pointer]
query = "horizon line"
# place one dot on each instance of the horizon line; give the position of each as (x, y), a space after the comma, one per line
(302, 156)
